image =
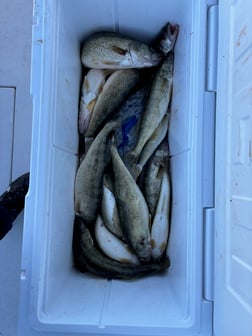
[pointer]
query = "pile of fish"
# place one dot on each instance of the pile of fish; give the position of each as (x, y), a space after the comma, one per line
(122, 185)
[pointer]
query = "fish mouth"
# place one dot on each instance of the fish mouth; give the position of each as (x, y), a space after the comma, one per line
(170, 34)
(143, 249)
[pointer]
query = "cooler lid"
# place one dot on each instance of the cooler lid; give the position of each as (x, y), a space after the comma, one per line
(233, 221)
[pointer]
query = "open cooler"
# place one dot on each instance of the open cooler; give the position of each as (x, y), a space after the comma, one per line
(210, 147)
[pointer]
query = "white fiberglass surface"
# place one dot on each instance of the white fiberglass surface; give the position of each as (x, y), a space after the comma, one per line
(63, 295)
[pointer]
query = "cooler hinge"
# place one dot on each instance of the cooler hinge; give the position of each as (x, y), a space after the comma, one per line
(212, 48)
(208, 149)
(208, 291)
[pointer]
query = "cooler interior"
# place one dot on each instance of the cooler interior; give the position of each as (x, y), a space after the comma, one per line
(60, 298)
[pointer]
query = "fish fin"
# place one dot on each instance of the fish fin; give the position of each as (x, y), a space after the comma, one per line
(91, 105)
(119, 50)
(86, 84)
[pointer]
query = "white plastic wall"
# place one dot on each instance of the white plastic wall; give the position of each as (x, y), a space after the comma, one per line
(54, 296)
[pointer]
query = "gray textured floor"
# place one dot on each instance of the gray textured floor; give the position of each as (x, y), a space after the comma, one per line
(15, 129)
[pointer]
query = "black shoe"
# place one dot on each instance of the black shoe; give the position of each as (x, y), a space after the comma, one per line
(12, 203)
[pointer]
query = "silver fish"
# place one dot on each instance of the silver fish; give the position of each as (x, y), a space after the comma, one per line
(89, 176)
(114, 92)
(89, 258)
(152, 177)
(133, 210)
(110, 50)
(157, 105)
(112, 246)
(92, 85)
(109, 210)
(160, 225)
(150, 147)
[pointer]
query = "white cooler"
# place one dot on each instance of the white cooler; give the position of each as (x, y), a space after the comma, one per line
(208, 288)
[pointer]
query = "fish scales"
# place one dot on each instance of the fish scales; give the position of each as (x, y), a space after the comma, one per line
(111, 50)
(109, 209)
(160, 224)
(153, 176)
(133, 210)
(150, 147)
(114, 92)
(89, 176)
(92, 85)
(112, 246)
(157, 104)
